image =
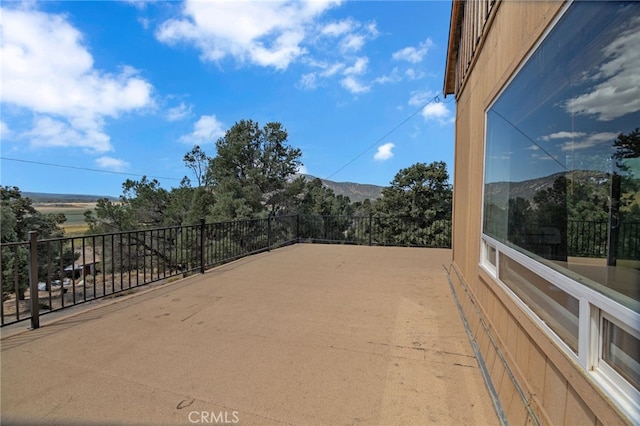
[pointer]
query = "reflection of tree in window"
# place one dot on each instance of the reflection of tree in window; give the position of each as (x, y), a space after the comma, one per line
(624, 213)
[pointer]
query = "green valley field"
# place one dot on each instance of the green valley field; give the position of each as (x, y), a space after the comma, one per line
(75, 224)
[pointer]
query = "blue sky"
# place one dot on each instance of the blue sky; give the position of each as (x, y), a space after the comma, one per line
(130, 87)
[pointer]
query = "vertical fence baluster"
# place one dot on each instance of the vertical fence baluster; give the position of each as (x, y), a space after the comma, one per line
(129, 265)
(73, 271)
(104, 267)
(33, 280)
(16, 283)
(201, 229)
(94, 269)
(84, 268)
(164, 253)
(137, 259)
(48, 284)
(113, 264)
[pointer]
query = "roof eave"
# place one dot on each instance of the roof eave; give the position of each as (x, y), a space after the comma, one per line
(455, 25)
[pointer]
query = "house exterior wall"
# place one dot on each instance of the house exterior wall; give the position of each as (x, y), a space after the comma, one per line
(534, 379)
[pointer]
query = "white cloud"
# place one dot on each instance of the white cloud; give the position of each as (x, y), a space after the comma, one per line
(372, 29)
(5, 132)
(302, 169)
(144, 22)
(394, 77)
(419, 98)
(139, 4)
(350, 82)
(618, 90)
(308, 81)
(263, 33)
(46, 69)
(50, 132)
(437, 111)
(504, 156)
(413, 54)
(312, 80)
(414, 75)
(352, 43)
(358, 67)
(590, 141)
(111, 163)
(354, 86)
(206, 129)
(579, 140)
(384, 152)
(179, 112)
(335, 29)
(562, 135)
(331, 70)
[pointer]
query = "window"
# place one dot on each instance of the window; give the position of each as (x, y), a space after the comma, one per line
(620, 351)
(562, 163)
(556, 308)
(561, 201)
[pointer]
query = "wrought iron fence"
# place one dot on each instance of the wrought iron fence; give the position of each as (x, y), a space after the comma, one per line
(382, 230)
(64, 272)
(591, 239)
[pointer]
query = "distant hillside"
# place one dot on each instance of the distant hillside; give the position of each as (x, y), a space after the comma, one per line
(44, 197)
(527, 189)
(355, 191)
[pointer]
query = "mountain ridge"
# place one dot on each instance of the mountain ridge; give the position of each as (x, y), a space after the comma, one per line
(355, 191)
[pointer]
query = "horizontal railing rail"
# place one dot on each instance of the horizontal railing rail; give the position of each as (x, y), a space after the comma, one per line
(64, 272)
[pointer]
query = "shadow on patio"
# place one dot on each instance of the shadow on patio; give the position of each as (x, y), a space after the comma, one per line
(307, 334)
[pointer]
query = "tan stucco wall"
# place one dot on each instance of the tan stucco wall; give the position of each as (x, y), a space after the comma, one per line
(553, 387)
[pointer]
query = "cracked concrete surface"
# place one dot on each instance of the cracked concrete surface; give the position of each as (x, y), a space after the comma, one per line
(303, 335)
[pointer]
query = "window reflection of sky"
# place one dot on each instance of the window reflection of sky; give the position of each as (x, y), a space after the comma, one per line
(578, 91)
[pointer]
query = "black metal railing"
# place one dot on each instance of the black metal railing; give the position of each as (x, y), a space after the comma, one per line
(64, 272)
(591, 239)
(380, 230)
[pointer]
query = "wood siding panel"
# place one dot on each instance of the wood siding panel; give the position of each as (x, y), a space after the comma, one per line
(534, 371)
(576, 411)
(555, 394)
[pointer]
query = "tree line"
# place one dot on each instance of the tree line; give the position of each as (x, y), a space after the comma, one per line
(252, 176)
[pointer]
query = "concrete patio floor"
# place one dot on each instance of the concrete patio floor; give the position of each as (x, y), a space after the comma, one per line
(304, 335)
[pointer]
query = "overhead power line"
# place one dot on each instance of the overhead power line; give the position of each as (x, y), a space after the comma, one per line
(435, 99)
(64, 166)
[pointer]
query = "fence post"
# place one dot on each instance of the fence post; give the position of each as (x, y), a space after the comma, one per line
(33, 279)
(202, 246)
(269, 232)
(370, 228)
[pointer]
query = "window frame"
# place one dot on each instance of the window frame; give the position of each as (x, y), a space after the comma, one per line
(594, 306)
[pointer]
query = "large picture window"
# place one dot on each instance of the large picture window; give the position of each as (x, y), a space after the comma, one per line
(561, 212)
(562, 163)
